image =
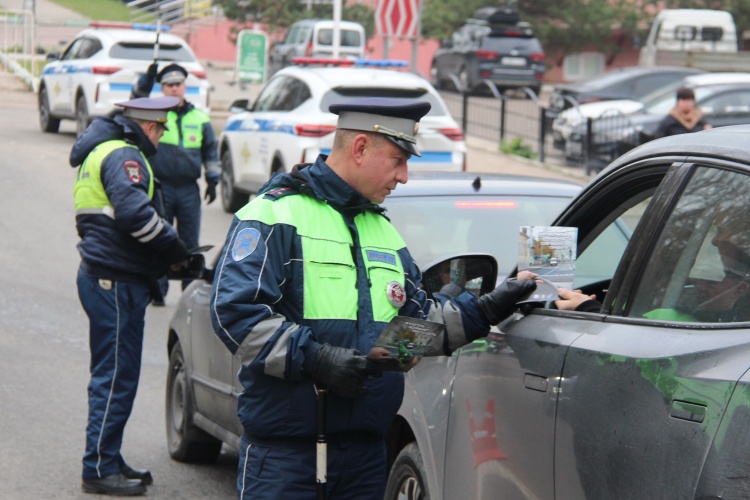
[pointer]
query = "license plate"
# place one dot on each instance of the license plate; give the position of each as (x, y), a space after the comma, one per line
(513, 61)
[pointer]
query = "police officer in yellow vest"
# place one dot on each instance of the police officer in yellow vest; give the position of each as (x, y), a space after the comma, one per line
(189, 144)
(311, 273)
(125, 247)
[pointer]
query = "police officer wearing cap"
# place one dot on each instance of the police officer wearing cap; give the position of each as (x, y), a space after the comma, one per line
(311, 273)
(189, 143)
(126, 246)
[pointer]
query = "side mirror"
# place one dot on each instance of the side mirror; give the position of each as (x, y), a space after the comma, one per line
(195, 269)
(239, 105)
(475, 273)
(53, 56)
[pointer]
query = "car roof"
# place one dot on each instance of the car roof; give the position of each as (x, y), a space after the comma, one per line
(727, 143)
(716, 78)
(332, 77)
(625, 73)
(474, 183)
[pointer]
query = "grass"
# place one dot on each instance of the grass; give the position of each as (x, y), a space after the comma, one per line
(98, 10)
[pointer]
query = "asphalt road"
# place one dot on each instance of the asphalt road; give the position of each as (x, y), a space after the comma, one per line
(44, 354)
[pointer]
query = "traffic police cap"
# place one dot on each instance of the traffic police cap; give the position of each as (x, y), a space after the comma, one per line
(397, 119)
(151, 109)
(172, 73)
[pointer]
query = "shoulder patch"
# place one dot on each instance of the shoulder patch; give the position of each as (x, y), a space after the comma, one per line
(245, 243)
(276, 193)
(133, 170)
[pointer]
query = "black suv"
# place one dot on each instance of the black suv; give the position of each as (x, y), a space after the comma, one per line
(493, 46)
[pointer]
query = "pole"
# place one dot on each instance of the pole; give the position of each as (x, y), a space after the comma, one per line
(321, 446)
(156, 44)
(336, 28)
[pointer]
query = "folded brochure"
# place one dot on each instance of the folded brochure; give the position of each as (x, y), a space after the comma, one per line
(550, 252)
(402, 340)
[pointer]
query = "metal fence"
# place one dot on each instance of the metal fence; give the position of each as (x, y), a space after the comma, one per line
(520, 124)
(17, 51)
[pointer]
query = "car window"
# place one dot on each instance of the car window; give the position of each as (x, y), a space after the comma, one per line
(290, 95)
(269, 94)
(735, 101)
(342, 94)
(291, 35)
(139, 51)
(646, 84)
(437, 226)
(303, 34)
(700, 267)
(506, 44)
(349, 38)
(72, 52)
(88, 48)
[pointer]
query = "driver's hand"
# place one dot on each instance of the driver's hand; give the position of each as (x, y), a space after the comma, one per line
(526, 275)
(571, 299)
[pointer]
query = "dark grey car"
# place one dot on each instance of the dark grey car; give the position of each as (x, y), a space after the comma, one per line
(615, 403)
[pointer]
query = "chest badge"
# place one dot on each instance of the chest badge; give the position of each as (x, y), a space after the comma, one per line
(396, 294)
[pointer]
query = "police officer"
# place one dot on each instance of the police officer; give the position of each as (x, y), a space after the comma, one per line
(189, 143)
(125, 247)
(311, 273)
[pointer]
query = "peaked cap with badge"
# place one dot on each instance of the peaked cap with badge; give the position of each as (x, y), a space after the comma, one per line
(396, 119)
(152, 109)
(172, 73)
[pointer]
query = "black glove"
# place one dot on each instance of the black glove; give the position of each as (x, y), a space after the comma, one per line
(152, 70)
(176, 253)
(343, 370)
(210, 193)
(501, 302)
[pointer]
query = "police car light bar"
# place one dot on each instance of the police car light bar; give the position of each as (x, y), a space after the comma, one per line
(347, 63)
(127, 26)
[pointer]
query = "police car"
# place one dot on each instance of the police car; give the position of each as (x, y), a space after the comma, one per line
(101, 65)
(289, 123)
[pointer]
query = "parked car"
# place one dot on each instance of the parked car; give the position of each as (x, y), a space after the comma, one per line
(289, 123)
(436, 213)
(721, 104)
(101, 65)
(634, 83)
(314, 38)
(508, 55)
(615, 403)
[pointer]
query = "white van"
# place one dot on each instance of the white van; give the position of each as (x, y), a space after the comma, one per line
(314, 38)
(695, 30)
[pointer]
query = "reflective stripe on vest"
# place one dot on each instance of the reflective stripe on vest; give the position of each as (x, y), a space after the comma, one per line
(88, 191)
(330, 273)
(192, 129)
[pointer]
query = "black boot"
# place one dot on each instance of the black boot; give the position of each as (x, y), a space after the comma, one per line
(115, 484)
(143, 476)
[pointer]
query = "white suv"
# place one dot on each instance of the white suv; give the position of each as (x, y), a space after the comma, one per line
(101, 65)
(290, 123)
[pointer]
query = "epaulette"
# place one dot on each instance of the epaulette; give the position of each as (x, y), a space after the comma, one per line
(279, 192)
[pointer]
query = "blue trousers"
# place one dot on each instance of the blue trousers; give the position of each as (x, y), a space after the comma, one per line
(183, 204)
(116, 311)
(355, 471)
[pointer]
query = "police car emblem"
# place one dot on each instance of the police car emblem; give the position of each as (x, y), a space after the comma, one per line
(245, 243)
(396, 294)
(133, 169)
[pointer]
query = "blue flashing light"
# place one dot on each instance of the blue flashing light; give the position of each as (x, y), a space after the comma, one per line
(382, 63)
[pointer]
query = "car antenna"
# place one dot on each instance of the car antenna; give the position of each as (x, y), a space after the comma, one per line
(477, 184)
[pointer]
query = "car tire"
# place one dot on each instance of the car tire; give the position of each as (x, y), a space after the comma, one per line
(185, 441)
(82, 115)
(407, 477)
(231, 198)
(46, 121)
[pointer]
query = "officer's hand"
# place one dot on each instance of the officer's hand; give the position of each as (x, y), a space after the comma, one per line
(343, 370)
(501, 302)
(152, 71)
(210, 193)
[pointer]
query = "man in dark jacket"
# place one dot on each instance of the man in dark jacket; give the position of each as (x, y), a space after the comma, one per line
(311, 273)
(684, 117)
(125, 247)
(188, 144)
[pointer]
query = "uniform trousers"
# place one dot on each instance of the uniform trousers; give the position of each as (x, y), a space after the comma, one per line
(356, 470)
(182, 203)
(116, 311)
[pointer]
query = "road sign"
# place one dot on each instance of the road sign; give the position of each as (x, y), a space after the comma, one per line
(397, 18)
(252, 55)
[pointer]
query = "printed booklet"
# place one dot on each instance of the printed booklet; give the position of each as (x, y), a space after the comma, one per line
(402, 340)
(550, 252)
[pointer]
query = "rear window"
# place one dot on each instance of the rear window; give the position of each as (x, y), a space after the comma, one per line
(507, 44)
(145, 52)
(349, 38)
(343, 94)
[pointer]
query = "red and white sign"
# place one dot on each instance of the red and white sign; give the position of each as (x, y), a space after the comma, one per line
(397, 18)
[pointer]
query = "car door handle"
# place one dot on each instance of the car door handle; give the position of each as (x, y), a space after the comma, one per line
(687, 411)
(535, 382)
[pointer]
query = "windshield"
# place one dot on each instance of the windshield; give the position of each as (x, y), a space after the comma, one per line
(145, 52)
(437, 226)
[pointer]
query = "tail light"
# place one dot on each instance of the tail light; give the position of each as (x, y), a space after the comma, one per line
(486, 54)
(308, 49)
(454, 134)
(313, 130)
(199, 74)
(537, 56)
(104, 70)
